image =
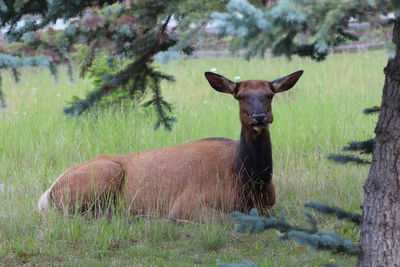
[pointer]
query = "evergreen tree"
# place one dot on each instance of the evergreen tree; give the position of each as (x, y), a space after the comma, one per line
(279, 28)
(127, 34)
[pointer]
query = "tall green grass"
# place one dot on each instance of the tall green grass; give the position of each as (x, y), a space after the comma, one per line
(317, 117)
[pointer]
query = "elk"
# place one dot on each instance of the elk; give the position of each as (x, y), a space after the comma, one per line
(199, 180)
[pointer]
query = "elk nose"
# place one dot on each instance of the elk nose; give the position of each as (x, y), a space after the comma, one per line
(258, 117)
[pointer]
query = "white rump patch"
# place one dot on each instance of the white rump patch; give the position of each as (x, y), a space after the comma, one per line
(44, 203)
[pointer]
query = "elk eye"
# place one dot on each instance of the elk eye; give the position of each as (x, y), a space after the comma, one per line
(238, 97)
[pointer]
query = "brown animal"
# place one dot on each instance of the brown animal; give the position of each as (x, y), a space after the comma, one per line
(199, 180)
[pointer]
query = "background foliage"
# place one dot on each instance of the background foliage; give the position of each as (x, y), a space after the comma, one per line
(307, 28)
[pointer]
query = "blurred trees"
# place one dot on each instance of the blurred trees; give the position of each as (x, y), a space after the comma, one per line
(280, 27)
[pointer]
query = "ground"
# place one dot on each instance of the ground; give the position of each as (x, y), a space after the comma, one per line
(314, 119)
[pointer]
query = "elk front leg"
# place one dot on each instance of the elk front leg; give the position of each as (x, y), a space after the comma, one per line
(191, 206)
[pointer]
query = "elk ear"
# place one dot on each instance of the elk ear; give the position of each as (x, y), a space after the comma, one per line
(220, 83)
(285, 83)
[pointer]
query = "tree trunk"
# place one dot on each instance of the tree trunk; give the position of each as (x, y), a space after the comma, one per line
(380, 236)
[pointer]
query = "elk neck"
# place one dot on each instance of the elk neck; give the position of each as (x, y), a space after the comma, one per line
(254, 159)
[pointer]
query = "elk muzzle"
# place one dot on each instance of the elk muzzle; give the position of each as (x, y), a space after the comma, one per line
(260, 121)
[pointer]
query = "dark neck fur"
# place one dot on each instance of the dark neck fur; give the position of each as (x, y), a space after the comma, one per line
(254, 159)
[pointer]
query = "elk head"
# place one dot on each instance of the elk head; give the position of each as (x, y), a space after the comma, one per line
(254, 96)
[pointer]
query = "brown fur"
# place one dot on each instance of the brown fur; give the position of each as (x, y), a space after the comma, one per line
(200, 183)
(199, 180)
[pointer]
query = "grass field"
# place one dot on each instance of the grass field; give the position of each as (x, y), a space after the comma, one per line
(317, 117)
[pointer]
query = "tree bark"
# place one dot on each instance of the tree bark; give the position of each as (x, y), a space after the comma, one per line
(380, 236)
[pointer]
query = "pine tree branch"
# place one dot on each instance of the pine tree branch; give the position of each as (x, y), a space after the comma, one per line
(164, 26)
(159, 103)
(372, 110)
(366, 147)
(335, 211)
(255, 224)
(313, 237)
(142, 75)
(115, 81)
(309, 50)
(323, 240)
(342, 159)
